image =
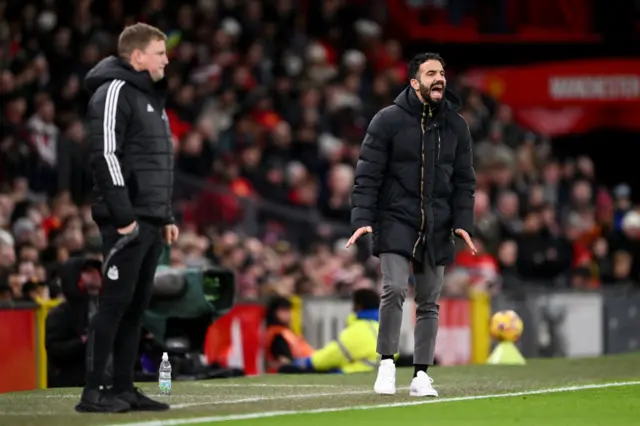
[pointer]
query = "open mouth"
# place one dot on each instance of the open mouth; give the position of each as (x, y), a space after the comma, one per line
(437, 90)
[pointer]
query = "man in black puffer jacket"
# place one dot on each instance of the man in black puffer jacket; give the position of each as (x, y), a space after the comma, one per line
(414, 190)
(132, 164)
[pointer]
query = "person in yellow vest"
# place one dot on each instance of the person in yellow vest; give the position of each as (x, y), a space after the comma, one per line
(354, 351)
(282, 345)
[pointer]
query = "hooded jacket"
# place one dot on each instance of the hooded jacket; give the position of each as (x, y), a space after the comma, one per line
(67, 322)
(130, 144)
(414, 180)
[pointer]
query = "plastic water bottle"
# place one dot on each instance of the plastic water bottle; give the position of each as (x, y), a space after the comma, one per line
(164, 379)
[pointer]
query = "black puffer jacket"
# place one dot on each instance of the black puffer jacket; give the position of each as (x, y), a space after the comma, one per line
(131, 147)
(414, 181)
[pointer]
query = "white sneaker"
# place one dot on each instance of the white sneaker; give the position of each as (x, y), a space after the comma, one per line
(421, 385)
(386, 380)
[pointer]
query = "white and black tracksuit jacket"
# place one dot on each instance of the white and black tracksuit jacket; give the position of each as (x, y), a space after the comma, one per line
(131, 147)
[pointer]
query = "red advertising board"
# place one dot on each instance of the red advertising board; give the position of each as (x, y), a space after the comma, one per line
(567, 97)
(453, 344)
(18, 366)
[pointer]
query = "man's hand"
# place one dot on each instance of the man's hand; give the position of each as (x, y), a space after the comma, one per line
(128, 229)
(170, 234)
(359, 232)
(467, 239)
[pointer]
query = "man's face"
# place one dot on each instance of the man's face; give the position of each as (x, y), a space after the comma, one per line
(153, 59)
(430, 81)
(91, 280)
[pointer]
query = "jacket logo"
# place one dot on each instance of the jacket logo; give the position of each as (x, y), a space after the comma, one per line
(149, 108)
(112, 273)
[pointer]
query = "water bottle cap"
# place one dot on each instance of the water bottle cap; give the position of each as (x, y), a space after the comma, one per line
(165, 356)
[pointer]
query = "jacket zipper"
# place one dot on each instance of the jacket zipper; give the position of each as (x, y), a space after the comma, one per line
(438, 154)
(423, 127)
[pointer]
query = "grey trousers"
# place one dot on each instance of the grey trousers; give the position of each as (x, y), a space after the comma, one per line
(428, 284)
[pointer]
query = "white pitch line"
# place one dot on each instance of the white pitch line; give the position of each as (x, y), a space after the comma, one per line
(265, 385)
(250, 416)
(273, 398)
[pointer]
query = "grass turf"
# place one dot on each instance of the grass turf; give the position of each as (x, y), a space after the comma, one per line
(217, 399)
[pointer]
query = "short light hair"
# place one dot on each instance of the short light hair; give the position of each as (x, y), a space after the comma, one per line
(137, 36)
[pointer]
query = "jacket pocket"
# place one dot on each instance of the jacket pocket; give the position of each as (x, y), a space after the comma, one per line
(445, 248)
(442, 186)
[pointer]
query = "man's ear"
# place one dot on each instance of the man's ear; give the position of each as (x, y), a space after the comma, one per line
(415, 84)
(135, 56)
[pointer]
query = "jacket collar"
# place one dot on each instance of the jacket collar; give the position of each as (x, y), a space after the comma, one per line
(368, 314)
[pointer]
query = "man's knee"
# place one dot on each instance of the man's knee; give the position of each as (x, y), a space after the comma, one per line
(427, 309)
(140, 301)
(114, 307)
(395, 277)
(393, 292)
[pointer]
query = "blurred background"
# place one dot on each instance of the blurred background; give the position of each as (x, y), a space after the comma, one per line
(268, 104)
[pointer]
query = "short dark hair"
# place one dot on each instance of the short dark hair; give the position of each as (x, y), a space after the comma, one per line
(421, 58)
(137, 36)
(366, 299)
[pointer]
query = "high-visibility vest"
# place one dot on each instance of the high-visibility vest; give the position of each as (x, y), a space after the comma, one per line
(354, 351)
(298, 346)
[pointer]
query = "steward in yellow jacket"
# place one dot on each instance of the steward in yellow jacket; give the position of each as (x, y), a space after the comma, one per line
(354, 351)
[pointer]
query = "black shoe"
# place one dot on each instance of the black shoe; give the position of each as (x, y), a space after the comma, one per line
(140, 402)
(101, 401)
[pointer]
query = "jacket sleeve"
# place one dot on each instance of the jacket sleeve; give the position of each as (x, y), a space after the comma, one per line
(108, 117)
(64, 346)
(464, 182)
(370, 171)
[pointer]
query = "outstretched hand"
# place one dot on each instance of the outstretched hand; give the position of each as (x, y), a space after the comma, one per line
(359, 232)
(467, 239)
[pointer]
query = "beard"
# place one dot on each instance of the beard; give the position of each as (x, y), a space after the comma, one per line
(425, 92)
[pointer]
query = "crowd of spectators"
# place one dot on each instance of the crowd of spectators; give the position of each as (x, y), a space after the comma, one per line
(268, 111)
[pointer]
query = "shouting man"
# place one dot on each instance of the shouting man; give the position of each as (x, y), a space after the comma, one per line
(414, 190)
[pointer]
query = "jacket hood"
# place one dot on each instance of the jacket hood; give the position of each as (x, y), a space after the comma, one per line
(408, 100)
(70, 277)
(114, 68)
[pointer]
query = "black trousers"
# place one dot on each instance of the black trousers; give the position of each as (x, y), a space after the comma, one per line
(129, 268)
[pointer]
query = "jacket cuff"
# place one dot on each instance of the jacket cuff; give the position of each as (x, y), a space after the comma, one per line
(169, 221)
(122, 219)
(360, 224)
(468, 229)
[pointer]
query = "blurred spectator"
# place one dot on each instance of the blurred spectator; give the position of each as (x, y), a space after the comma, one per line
(267, 112)
(282, 345)
(67, 324)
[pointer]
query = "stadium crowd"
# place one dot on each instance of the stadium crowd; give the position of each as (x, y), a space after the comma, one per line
(268, 111)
